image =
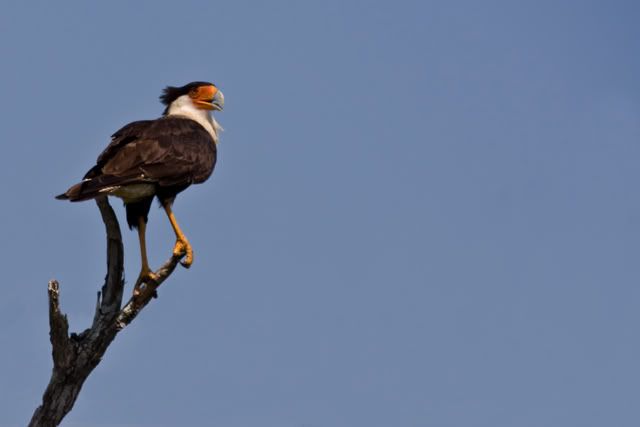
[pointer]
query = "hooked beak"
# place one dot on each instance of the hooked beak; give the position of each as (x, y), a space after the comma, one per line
(207, 98)
(218, 101)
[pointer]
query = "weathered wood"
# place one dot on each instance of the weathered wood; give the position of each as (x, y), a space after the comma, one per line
(76, 355)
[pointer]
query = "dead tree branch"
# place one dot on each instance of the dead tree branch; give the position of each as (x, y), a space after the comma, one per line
(76, 355)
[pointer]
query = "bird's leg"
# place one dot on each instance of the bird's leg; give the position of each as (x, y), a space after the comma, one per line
(146, 276)
(182, 245)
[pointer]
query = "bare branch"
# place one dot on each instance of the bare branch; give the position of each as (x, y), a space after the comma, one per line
(139, 301)
(75, 356)
(58, 327)
(114, 282)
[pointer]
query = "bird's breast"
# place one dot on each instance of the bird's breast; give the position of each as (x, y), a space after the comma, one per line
(133, 192)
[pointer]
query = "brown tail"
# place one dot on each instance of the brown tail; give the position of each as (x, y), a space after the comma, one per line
(80, 192)
(91, 188)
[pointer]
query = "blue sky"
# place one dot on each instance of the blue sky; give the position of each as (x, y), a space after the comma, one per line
(424, 213)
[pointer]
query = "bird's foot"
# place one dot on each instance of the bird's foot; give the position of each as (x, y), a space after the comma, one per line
(146, 278)
(183, 248)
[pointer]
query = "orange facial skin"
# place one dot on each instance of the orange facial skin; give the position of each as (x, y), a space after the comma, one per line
(203, 95)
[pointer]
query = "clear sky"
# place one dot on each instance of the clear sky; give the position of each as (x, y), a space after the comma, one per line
(424, 213)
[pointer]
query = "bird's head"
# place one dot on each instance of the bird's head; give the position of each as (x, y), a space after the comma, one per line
(201, 95)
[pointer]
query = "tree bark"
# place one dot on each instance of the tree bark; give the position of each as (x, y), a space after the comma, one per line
(76, 355)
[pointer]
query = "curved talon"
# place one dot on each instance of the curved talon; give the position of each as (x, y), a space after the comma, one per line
(145, 278)
(183, 247)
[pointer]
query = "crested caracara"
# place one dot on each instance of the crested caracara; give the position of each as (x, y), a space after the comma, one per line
(158, 158)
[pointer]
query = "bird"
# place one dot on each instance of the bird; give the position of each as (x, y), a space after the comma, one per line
(158, 158)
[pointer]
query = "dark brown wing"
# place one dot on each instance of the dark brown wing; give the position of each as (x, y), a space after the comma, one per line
(122, 137)
(169, 152)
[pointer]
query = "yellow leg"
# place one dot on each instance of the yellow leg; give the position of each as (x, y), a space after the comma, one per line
(142, 228)
(182, 244)
(145, 272)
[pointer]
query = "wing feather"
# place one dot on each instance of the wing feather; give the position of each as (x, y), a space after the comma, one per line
(171, 153)
(168, 151)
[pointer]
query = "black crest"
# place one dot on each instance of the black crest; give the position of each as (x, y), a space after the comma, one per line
(171, 93)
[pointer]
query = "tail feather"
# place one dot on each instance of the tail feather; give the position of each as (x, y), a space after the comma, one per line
(77, 193)
(92, 188)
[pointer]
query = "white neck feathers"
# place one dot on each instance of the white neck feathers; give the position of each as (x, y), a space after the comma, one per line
(183, 106)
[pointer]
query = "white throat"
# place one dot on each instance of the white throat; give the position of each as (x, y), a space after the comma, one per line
(183, 106)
